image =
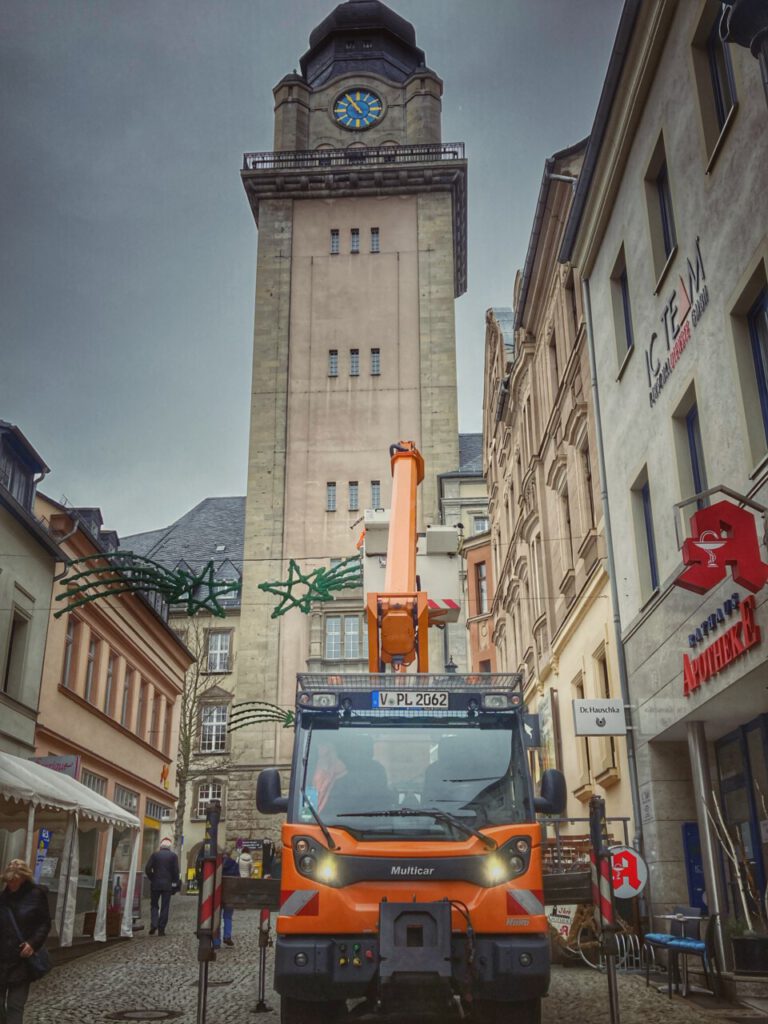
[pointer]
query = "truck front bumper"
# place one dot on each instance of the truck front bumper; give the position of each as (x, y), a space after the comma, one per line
(507, 968)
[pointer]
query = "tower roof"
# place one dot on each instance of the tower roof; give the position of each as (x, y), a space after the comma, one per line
(359, 36)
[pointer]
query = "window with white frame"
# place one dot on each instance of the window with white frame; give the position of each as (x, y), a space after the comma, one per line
(354, 499)
(375, 362)
(332, 637)
(219, 644)
(213, 728)
(333, 362)
(375, 493)
(351, 636)
(95, 782)
(206, 792)
(375, 240)
(69, 645)
(330, 496)
(334, 241)
(90, 668)
(346, 637)
(109, 684)
(127, 799)
(479, 524)
(354, 362)
(354, 242)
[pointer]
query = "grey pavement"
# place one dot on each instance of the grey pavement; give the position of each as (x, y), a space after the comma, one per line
(149, 973)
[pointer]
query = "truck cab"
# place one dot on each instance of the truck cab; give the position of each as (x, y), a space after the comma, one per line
(412, 867)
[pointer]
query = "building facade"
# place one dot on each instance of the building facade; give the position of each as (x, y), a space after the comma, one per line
(210, 532)
(28, 561)
(551, 605)
(112, 679)
(361, 215)
(668, 230)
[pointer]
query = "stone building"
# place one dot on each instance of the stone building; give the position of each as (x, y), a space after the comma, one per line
(668, 232)
(361, 215)
(551, 606)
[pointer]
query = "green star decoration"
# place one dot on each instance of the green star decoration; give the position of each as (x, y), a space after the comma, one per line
(122, 572)
(319, 585)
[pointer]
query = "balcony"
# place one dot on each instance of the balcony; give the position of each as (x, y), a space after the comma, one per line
(368, 155)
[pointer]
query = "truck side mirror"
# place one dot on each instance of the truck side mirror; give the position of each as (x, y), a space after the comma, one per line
(553, 793)
(269, 799)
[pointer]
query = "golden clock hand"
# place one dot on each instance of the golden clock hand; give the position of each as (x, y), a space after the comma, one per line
(348, 97)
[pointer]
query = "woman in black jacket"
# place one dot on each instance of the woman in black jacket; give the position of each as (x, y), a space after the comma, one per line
(28, 904)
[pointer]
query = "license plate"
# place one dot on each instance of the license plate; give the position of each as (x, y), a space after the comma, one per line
(410, 699)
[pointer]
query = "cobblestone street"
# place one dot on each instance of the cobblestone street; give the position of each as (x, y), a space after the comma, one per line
(160, 974)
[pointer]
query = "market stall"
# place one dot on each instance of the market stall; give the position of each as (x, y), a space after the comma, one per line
(32, 795)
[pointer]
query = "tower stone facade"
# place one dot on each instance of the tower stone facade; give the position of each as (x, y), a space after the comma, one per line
(361, 215)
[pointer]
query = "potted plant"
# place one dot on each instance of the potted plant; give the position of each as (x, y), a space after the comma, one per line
(748, 933)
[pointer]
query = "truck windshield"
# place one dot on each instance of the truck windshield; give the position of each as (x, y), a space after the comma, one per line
(477, 775)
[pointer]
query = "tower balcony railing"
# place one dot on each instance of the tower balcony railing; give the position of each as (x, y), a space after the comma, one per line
(369, 155)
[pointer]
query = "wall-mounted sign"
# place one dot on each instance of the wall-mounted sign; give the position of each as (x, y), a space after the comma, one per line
(602, 717)
(722, 535)
(714, 620)
(684, 308)
(629, 872)
(67, 764)
(724, 651)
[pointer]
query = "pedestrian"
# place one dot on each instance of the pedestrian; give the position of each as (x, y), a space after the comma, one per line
(162, 870)
(230, 867)
(245, 864)
(23, 912)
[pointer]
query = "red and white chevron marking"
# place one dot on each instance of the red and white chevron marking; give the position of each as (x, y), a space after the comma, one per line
(525, 902)
(207, 893)
(602, 889)
(443, 604)
(299, 902)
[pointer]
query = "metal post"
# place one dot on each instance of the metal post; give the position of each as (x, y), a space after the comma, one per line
(602, 896)
(265, 941)
(702, 787)
(206, 904)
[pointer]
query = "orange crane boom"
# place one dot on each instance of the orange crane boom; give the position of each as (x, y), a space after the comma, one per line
(398, 618)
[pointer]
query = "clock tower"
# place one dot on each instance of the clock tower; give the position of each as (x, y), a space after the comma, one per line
(361, 215)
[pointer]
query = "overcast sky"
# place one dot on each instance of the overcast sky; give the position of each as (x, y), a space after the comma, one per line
(128, 248)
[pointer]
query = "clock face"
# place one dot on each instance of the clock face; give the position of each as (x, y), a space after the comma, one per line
(357, 108)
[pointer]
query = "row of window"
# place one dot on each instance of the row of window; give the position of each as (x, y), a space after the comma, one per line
(354, 241)
(354, 362)
(130, 700)
(353, 495)
(717, 95)
(121, 795)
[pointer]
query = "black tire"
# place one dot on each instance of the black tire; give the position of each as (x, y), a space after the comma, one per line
(300, 1011)
(488, 1011)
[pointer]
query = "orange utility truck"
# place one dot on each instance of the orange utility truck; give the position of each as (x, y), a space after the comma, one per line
(412, 864)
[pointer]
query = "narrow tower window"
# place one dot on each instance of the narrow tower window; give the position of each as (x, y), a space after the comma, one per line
(375, 362)
(375, 240)
(330, 496)
(375, 493)
(333, 362)
(355, 240)
(354, 500)
(354, 362)
(334, 241)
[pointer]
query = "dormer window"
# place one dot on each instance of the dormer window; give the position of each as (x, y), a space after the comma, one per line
(221, 547)
(19, 465)
(367, 44)
(350, 44)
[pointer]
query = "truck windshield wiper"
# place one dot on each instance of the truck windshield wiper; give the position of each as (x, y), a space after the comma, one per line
(426, 812)
(307, 801)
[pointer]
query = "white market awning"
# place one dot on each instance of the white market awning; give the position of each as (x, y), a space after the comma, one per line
(24, 782)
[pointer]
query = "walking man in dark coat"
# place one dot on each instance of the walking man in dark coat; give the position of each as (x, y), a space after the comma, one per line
(162, 870)
(23, 909)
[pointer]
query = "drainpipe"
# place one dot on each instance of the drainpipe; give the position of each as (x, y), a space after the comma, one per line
(634, 787)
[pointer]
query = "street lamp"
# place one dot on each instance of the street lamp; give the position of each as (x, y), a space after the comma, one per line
(451, 665)
(745, 22)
